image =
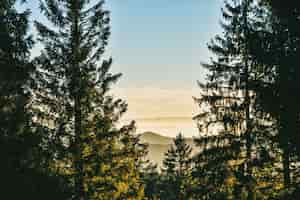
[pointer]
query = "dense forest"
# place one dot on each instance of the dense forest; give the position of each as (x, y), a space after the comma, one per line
(59, 137)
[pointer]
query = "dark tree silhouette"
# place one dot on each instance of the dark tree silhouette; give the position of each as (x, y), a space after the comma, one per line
(277, 52)
(235, 130)
(151, 179)
(75, 106)
(176, 171)
(21, 170)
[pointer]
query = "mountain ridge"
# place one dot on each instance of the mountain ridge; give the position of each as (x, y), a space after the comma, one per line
(159, 144)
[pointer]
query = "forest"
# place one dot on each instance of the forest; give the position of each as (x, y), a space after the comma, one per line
(59, 137)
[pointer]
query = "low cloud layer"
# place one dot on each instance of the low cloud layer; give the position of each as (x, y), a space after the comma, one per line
(163, 110)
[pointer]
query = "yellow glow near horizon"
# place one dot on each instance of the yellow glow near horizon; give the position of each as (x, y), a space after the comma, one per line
(163, 110)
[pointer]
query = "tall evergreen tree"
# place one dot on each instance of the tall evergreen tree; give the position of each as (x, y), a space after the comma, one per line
(101, 159)
(277, 52)
(176, 171)
(15, 68)
(22, 175)
(235, 127)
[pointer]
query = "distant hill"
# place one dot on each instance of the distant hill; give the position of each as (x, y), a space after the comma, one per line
(154, 138)
(158, 145)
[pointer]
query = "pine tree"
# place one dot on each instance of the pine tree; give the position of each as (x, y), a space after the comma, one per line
(112, 172)
(151, 180)
(15, 69)
(233, 125)
(14, 76)
(176, 171)
(22, 176)
(79, 113)
(278, 49)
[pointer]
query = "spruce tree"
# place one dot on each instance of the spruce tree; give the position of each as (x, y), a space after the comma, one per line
(176, 171)
(151, 179)
(101, 160)
(277, 52)
(233, 127)
(15, 69)
(22, 174)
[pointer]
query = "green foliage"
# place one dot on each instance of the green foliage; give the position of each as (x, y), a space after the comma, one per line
(152, 181)
(280, 50)
(176, 172)
(59, 132)
(237, 133)
(21, 170)
(76, 108)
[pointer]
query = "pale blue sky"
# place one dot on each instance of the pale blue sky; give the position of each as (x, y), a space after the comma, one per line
(158, 46)
(159, 42)
(162, 42)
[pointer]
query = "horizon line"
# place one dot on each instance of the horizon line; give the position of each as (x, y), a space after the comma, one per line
(159, 118)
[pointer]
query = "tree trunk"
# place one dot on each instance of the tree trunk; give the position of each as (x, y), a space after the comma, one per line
(79, 187)
(248, 128)
(286, 168)
(79, 190)
(284, 122)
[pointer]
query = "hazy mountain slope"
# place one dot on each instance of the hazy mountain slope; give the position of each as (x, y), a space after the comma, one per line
(154, 138)
(158, 145)
(156, 153)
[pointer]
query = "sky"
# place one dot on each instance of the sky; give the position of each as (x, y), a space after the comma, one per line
(158, 46)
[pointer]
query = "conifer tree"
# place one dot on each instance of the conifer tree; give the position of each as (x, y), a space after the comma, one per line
(151, 180)
(233, 126)
(14, 76)
(277, 51)
(15, 69)
(176, 171)
(22, 176)
(74, 80)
